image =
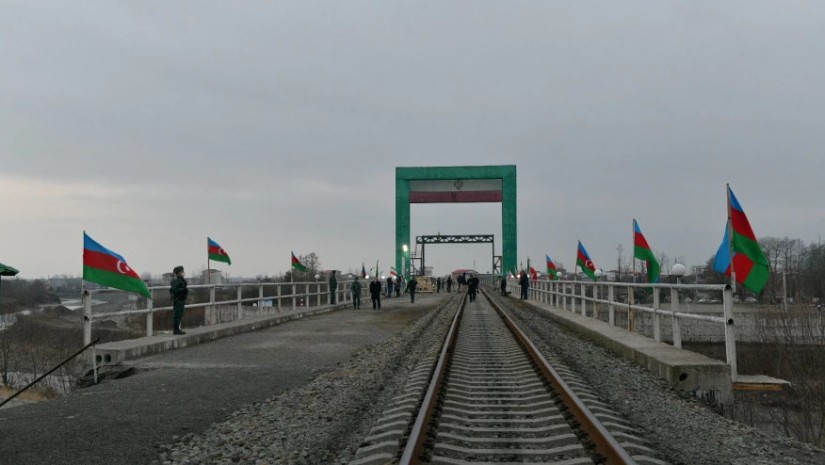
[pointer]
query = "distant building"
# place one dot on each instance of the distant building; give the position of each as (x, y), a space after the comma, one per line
(211, 276)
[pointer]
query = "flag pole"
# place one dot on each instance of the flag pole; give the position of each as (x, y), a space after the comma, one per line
(631, 316)
(208, 264)
(730, 241)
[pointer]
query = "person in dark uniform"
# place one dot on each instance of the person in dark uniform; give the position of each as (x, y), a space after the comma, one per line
(333, 287)
(179, 292)
(355, 288)
(438, 285)
(524, 282)
(375, 293)
(411, 287)
(449, 284)
(503, 286)
(472, 287)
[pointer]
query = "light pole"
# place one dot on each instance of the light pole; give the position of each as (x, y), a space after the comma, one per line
(405, 250)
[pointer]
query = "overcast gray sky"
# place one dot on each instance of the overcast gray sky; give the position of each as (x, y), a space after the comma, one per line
(277, 126)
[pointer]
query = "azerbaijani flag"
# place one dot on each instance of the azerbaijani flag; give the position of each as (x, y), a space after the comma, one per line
(363, 271)
(583, 260)
(296, 264)
(102, 266)
(749, 262)
(641, 251)
(216, 252)
(551, 267)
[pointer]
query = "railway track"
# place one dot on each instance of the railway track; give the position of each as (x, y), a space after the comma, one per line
(493, 398)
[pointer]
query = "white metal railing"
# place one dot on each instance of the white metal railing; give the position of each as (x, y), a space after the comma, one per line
(283, 294)
(575, 296)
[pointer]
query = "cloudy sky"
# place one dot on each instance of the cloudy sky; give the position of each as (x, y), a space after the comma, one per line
(277, 126)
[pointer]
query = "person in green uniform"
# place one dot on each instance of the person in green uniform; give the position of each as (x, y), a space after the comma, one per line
(179, 292)
(333, 286)
(355, 287)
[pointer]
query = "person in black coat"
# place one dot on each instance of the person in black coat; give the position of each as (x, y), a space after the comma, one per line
(524, 282)
(177, 287)
(472, 287)
(411, 287)
(503, 286)
(375, 293)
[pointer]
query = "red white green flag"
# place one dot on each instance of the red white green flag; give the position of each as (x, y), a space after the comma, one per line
(102, 266)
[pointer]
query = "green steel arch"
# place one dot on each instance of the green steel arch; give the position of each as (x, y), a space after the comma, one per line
(456, 184)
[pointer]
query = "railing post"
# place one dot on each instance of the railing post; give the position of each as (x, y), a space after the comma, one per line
(278, 295)
(584, 302)
(630, 311)
(545, 288)
(657, 328)
(240, 304)
(611, 309)
(730, 334)
(212, 310)
(261, 298)
(149, 316)
(87, 316)
(294, 297)
(674, 307)
(573, 297)
(596, 305)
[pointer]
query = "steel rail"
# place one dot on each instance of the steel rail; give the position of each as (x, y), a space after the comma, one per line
(606, 445)
(421, 427)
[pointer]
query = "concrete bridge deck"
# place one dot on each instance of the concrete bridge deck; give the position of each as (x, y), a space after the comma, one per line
(184, 391)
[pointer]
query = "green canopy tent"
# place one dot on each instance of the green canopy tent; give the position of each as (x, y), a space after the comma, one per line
(6, 270)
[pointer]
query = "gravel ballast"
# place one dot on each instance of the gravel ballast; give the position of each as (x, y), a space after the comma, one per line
(683, 429)
(324, 421)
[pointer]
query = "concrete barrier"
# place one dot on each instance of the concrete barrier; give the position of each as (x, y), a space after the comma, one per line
(704, 377)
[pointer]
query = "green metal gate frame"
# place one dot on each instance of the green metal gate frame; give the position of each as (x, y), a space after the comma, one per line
(507, 174)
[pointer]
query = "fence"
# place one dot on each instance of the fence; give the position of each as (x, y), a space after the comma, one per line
(283, 295)
(576, 295)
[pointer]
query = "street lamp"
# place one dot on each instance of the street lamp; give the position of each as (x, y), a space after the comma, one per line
(678, 270)
(405, 249)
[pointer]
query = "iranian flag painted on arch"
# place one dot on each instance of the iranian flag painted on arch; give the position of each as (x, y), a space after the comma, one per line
(107, 268)
(455, 191)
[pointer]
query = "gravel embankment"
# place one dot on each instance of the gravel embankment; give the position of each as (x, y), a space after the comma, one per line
(683, 429)
(324, 421)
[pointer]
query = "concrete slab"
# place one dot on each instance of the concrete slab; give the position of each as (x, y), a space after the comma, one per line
(707, 378)
(115, 353)
(759, 383)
